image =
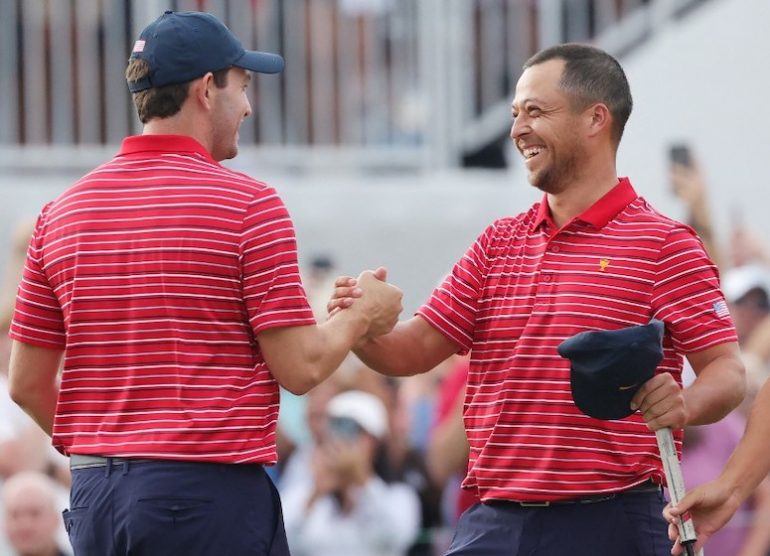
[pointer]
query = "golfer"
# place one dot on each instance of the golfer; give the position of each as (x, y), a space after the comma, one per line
(169, 285)
(591, 255)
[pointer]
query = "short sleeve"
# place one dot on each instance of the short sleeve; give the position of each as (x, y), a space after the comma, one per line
(453, 306)
(687, 297)
(38, 318)
(272, 287)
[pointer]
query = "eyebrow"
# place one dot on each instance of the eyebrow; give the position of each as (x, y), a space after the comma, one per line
(525, 101)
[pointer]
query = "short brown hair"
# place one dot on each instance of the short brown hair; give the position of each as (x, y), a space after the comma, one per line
(162, 102)
(591, 75)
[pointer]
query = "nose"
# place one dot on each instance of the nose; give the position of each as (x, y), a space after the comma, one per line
(248, 108)
(519, 127)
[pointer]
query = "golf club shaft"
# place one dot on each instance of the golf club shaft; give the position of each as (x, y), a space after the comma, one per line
(675, 482)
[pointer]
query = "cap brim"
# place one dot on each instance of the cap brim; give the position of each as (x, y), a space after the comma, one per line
(260, 62)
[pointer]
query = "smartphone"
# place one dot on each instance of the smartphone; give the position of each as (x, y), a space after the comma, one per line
(680, 154)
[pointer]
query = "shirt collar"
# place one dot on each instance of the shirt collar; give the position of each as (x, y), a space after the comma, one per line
(598, 214)
(163, 143)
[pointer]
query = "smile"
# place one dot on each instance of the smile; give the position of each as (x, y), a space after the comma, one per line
(531, 152)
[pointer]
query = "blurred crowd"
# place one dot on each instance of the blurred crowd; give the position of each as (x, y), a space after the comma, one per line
(744, 263)
(371, 465)
(34, 478)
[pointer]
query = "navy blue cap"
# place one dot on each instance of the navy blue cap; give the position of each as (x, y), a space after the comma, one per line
(609, 366)
(182, 46)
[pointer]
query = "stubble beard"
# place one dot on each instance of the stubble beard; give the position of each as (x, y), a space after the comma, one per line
(556, 178)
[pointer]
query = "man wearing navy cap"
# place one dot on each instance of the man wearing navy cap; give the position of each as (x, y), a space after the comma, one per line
(170, 287)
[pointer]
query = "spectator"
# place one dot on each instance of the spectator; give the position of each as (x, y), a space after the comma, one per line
(746, 287)
(747, 291)
(32, 517)
(297, 465)
(689, 184)
(347, 510)
(401, 457)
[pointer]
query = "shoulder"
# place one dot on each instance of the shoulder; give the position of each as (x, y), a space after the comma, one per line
(642, 220)
(512, 225)
(642, 211)
(244, 182)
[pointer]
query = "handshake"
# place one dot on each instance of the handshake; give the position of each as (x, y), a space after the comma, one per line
(371, 296)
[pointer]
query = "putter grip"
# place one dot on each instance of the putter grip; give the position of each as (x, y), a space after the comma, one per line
(675, 482)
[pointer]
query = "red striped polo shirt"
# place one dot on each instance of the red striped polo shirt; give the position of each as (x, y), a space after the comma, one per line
(155, 273)
(525, 286)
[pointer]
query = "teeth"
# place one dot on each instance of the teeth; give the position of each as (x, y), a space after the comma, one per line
(530, 152)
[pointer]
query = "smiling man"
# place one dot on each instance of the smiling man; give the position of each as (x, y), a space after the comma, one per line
(591, 255)
(169, 286)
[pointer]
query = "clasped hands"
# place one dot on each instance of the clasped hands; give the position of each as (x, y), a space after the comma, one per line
(370, 294)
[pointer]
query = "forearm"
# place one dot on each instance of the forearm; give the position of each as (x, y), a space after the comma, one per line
(412, 347)
(33, 382)
(718, 389)
(393, 354)
(321, 351)
(750, 462)
(40, 404)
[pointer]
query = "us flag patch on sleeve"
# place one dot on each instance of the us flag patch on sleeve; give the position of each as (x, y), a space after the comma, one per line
(138, 46)
(721, 310)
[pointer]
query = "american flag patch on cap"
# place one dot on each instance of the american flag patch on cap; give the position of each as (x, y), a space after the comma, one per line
(721, 310)
(138, 46)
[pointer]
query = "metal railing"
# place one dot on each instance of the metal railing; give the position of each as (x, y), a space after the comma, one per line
(368, 83)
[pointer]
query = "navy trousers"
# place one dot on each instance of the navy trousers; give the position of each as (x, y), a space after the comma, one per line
(167, 508)
(630, 524)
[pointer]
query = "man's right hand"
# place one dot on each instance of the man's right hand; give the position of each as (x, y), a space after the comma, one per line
(379, 300)
(711, 506)
(369, 293)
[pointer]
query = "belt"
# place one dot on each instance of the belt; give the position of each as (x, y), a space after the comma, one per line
(82, 461)
(646, 487)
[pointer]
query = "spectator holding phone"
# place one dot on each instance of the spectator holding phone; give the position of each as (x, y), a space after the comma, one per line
(347, 509)
(689, 185)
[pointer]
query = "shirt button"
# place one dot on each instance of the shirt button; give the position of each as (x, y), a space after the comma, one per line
(555, 249)
(546, 277)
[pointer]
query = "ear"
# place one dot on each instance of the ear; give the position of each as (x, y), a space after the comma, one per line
(599, 119)
(201, 90)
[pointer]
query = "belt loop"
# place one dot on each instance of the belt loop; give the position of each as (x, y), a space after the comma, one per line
(108, 467)
(125, 467)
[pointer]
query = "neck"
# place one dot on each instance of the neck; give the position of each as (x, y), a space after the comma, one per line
(180, 125)
(589, 185)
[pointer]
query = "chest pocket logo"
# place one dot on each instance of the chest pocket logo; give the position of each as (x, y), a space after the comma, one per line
(603, 264)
